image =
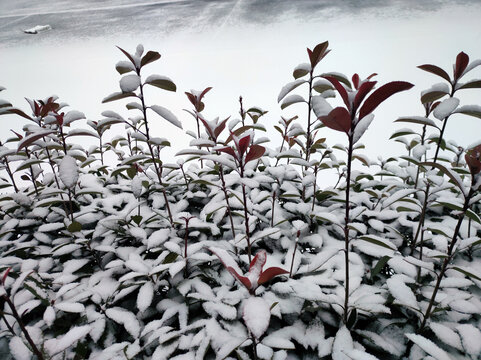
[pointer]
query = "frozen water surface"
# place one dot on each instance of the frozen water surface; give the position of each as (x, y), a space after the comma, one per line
(239, 47)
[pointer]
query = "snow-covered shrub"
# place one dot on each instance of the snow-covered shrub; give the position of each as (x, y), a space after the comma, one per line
(235, 251)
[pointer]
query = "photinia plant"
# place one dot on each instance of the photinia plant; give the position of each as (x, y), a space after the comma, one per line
(353, 120)
(255, 276)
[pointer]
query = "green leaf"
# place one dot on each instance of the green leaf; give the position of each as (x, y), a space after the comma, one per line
(117, 96)
(474, 84)
(416, 120)
(131, 172)
(352, 319)
(27, 163)
(454, 177)
(162, 82)
(151, 56)
(467, 273)
(74, 227)
(137, 219)
(473, 216)
(402, 132)
(376, 240)
(471, 110)
(292, 99)
(432, 96)
(379, 266)
(169, 259)
(124, 67)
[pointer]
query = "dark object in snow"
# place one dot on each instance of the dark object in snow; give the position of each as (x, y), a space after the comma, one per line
(37, 29)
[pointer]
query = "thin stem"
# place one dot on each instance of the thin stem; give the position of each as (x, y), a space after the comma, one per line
(31, 173)
(198, 135)
(346, 228)
(294, 255)
(309, 107)
(226, 196)
(315, 184)
(10, 174)
(273, 207)
(17, 317)
(156, 166)
(246, 215)
(448, 259)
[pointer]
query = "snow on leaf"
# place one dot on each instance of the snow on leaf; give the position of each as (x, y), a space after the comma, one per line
(256, 314)
(49, 315)
(320, 106)
(288, 88)
(54, 346)
(68, 171)
(162, 82)
(470, 338)
(167, 115)
(19, 350)
(343, 343)
(125, 318)
(292, 99)
(136, 186)
(401, 292)
(129, 83)
(446, 108)
(446, 335)
(361, 127)
(145, 296)
(360, 355)
(70, 307)
(428, 346)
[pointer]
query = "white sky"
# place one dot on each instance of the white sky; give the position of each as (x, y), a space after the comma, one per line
(252, 55)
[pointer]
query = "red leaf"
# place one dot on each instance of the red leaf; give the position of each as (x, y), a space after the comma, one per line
(365, 88)
(270, 273)
(473, 159)
(318, 53)
(128, 56)
(371, 76)
(4, 277)
(338, 119)
(192, 98)
(462, 61)
(243, 144)
(207, 127)
(59, 118)
(342, 91)
(220, 128)
(381, 94)
(355, 81)
(228, 150)
(36, 108)
(18, 112)
(255, 152)
(244, 280)
(20, 137)
(206, 90)
(259, 260)
(435, 70)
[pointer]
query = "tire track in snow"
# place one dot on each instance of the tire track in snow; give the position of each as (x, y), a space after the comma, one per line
(104, 8)
(14, 21)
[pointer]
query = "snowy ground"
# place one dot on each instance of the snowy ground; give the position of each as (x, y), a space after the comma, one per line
(244, 48)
